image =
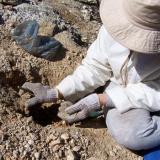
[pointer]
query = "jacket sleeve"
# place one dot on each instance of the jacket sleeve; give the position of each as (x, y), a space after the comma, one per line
(93, 72)
(141, 95)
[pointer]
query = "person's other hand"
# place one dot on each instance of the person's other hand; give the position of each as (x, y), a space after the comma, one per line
(42, 94)
(82, 109)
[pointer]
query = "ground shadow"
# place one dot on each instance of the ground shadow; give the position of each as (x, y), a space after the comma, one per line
(61, 55)
(12, 79)
(95, 123)
(35, 74)
(44, 115)
(90, 4)
(1, 20)
(47, 115)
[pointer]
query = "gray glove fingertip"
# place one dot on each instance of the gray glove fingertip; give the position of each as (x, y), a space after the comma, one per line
(77, 117)
(82, 115)
(70, 119)
(32, 102)
(46, 87)
(72, 109)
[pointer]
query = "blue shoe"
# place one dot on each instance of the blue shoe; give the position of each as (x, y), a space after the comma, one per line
(153, 154)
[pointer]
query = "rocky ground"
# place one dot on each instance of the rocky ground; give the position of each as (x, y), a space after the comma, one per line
(40, 134)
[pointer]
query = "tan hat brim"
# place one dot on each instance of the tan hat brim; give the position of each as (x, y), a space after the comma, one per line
(124, 32)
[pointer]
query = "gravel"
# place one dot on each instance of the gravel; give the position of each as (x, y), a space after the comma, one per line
(22, 140)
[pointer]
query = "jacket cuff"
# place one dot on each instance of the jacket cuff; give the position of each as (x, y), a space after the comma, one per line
(68, 92)
(119, 99)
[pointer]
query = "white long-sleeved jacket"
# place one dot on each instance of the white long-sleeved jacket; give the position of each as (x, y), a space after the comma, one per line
(103, 62)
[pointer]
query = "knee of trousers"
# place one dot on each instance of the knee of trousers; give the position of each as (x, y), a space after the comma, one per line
(129, 140)
(126, 135)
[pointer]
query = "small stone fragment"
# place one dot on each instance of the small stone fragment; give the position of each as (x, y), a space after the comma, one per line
(56, 148)
(65, 136)
(72, 142)
(37, 155)
(51, 137)
(30, 142)
(77, 148)
(56, 142)
(71, 155)
(15, 153)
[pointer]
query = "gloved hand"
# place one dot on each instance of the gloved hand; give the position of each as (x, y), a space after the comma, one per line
(82, 109)
(43, 94)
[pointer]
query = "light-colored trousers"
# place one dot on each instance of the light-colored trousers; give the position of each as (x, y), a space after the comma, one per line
(136, 129)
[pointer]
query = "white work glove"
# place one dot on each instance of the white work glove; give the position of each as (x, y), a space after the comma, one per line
(43, 94)
(83, 108)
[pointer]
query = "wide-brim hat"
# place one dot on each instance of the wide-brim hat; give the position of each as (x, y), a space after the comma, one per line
(133, 23)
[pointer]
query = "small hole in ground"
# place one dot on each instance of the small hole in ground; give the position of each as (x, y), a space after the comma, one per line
(44, 115)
